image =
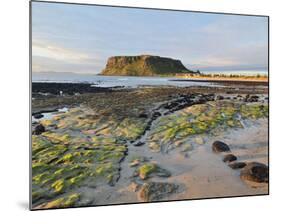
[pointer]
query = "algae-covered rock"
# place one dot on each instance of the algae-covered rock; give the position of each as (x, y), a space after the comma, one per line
(150, 169)
(200, 119)
(60, 165)
(156, 191)
(62, 202)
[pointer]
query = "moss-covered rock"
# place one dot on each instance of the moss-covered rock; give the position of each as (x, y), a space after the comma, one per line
(60, 165)
(174, 129)
(157, 191)
(150, 169)
(62, 202)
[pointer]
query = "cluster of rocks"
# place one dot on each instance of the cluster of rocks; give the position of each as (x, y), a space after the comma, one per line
(66, 88)
(252, 171)
(183, 101)
(251, 98)
(149, 191)
(248, 98)
(186, 100)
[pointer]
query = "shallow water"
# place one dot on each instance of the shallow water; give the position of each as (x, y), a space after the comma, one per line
(50, 115)
(111, 81)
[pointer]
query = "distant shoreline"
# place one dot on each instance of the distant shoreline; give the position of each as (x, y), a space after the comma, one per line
(224, 81)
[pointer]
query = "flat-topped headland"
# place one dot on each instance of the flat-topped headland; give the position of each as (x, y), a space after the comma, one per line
(143, 65)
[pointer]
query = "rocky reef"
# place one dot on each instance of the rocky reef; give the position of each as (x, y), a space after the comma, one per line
(143, 65)
(109, 141)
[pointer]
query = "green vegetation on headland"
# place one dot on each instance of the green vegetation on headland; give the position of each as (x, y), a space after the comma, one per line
(143, 65)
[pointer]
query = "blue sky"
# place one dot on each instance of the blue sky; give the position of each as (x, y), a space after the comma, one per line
(80, 38)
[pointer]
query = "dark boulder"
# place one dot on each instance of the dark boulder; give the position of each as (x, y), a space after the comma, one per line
(143, 115)
(237, 165)
(38, 130)
(155, 115)
(251, 99)
(219, 97)
(219, 146)
(255, 172)
(38, 116)
(139, 143)
(229, 158)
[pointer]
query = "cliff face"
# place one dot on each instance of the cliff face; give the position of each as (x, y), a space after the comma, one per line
(143, 65)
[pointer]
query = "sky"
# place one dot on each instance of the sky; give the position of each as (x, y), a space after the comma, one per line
(80, 38)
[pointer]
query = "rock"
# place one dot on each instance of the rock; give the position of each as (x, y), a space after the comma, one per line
(155, 191)
(143, 115)
(134, 186)
(67, 88)
(38, 116)
(255, 172)
(135, 163)
(237, 165)
(38, 130)
(187, 147)
(229, 158)
(150, 169)
(219, 97)
(143, 65)
(219, 146)
(199, 140)
(155, 115)
(253, 98)
(139, 143)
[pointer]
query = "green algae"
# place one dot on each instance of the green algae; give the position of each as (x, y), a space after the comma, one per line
(57, 136)
(147, 170)
(62, 202)
(201, 119)
(59, 167)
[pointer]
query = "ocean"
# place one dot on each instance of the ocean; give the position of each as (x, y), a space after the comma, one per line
(112, 81)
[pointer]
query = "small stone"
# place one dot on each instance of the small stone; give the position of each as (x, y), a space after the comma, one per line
(38, 130)
(237, 165)
(143, 115)
(135, 163)
(229, 158)
(139, 143)
(187, 147)
(38, 116)
(199, 140)
(178, 143)
(219, 146)
(219, 97)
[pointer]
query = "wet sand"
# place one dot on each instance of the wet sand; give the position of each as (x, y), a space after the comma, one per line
(202, 174)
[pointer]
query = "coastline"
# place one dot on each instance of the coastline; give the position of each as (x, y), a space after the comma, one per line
(123, 127)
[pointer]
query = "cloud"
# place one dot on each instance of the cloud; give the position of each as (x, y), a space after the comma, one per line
(47, 56)
(54, 51)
